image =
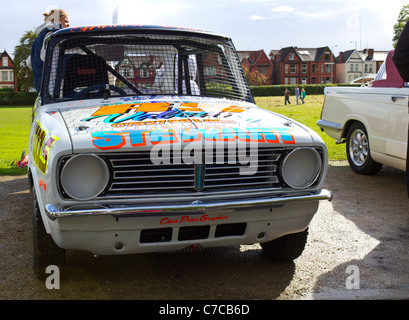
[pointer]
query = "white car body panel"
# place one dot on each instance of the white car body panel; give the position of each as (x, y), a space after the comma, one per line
(106, 127)
(382, 110)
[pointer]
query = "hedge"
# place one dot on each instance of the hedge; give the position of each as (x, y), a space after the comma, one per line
(278, 90)
(17, 98)
(11, 98)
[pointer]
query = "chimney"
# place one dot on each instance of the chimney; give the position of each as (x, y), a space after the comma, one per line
(341, 57)
(370, 53)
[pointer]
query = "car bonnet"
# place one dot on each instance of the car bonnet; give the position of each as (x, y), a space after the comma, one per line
(132, 124)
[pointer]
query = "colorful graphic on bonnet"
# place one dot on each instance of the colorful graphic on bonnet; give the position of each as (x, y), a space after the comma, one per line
(120, 113)
(131, 113)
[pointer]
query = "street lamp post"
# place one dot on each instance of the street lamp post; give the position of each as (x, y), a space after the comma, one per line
(332, 63)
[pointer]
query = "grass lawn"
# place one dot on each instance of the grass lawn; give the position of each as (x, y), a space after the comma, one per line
(308, 114)
(15, 125)
(15, 128)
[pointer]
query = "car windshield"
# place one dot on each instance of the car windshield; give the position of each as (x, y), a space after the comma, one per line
(99, 65)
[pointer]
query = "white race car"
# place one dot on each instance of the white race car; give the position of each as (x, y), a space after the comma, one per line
(147, 139)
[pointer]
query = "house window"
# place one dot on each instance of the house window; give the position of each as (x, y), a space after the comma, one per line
(286, 68)
(4, 76)
(356, 67)
(304, 80)
(263, 70)
(293, 68)
(304, 68)
(5, 62)
(144, 71)
(366, 68)
(293, 80)
(322, 69)
(291, 56)
(370, 68)
(210, 71)
(126, 72)
(351, 68)
(326, 56)
(314, 68)
(328, 68)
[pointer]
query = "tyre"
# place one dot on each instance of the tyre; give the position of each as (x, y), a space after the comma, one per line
(286, 248)
(358, 151)
(45, 251)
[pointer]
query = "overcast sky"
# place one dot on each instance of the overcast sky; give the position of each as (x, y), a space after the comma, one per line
(252, 24)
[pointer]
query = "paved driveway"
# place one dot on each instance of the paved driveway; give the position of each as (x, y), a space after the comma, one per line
(357, 248)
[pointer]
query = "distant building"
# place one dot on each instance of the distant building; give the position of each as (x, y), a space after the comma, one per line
(257, 60)
(353, 64)
(8, 78)
(293, 65)
(139, 70)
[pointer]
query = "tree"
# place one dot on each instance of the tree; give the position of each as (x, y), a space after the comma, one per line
(21, 52)
(400, 24)
(254, 77)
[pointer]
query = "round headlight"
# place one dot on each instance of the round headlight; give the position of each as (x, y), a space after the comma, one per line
(83, 177)
(301, 167)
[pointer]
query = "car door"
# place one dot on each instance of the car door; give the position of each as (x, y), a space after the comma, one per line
(397, 133)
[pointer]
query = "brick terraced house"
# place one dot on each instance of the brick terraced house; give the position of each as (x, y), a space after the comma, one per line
(8, 78)
(293, 65)
(257, 60)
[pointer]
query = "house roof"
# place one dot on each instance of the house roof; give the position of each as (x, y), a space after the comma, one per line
(377, 55)
(251, 56)
(151, 61)
(305, 54)
(1, 64)
(365, 55)
(345, 56)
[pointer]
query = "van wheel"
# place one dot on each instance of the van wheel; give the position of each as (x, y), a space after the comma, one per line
(286, 248)
(358, 151)
(45, 251)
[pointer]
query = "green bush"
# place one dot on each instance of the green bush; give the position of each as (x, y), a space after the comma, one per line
(6, 90)
(278, 90)
(17, 98)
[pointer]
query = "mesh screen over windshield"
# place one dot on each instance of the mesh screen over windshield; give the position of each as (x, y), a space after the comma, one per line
(94, 66)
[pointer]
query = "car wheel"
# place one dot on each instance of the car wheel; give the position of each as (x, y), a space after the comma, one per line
(358, 151)
(45, 251)
(286, 248)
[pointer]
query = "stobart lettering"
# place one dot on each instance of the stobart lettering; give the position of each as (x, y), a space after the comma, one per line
(108, 140)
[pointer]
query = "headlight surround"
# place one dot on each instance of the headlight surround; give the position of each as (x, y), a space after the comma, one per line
(301, 168)
(84, 177)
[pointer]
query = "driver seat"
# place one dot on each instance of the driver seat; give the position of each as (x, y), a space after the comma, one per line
(82, 71)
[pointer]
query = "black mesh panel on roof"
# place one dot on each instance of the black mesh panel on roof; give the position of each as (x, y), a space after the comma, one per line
(126, 64)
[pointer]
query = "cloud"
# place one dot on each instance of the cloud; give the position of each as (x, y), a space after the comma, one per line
(256, 17)
(283, 9)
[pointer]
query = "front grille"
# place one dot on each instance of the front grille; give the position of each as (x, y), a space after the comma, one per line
(135, 174)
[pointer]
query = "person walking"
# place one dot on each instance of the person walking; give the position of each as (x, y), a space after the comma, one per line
(302, 95)
(297, 94)
(287, 96)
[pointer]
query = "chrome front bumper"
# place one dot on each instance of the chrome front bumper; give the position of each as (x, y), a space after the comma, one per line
(54, 212)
